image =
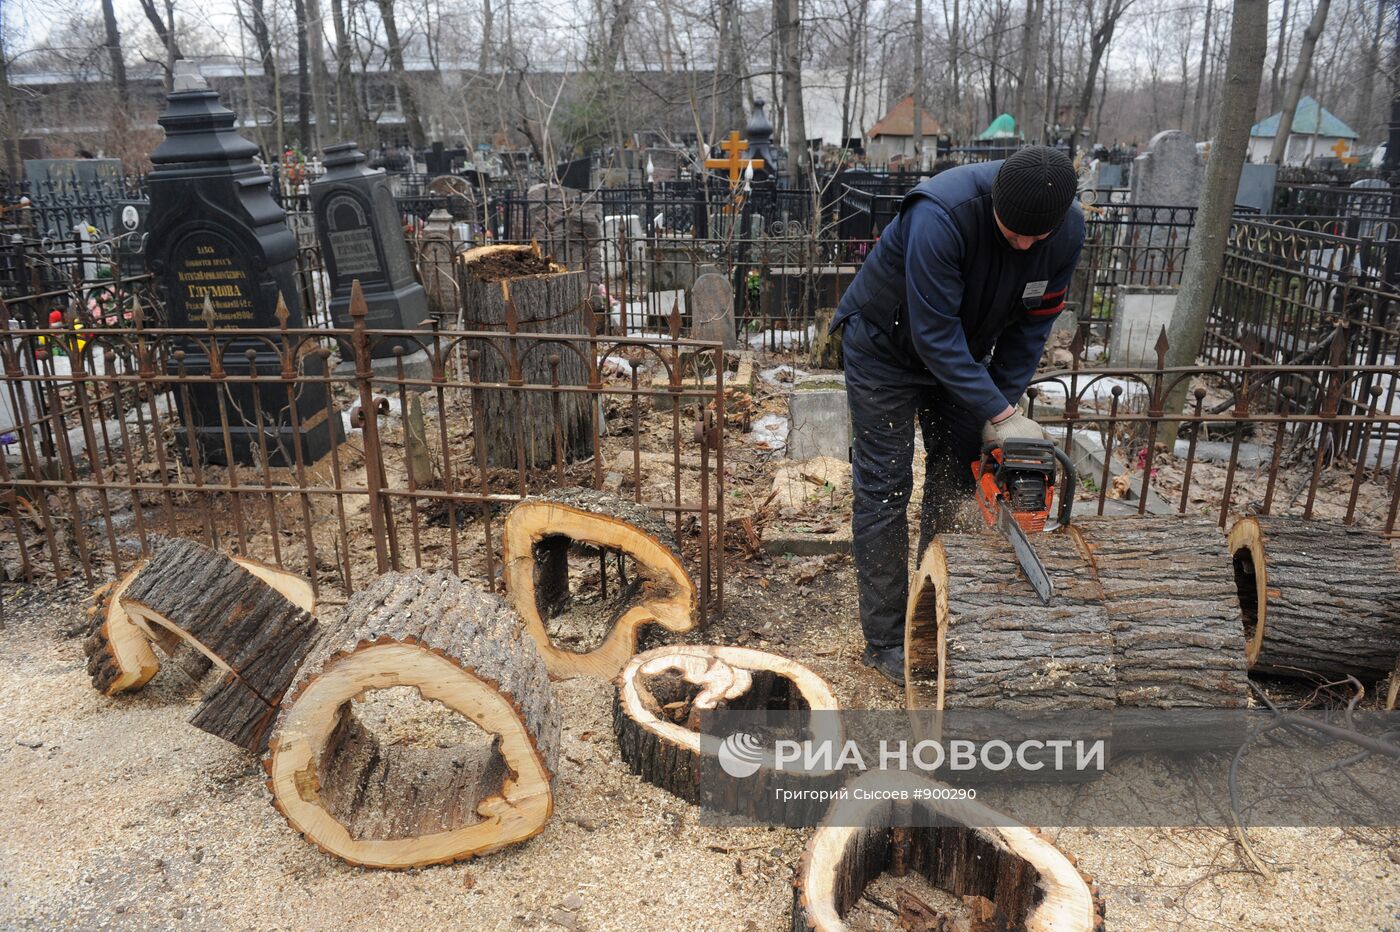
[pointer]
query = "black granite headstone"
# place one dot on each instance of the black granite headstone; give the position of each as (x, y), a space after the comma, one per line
(438, 159)
(217, 239)
(361, 237)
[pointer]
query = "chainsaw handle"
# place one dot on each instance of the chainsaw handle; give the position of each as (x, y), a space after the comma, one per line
(1067, 492)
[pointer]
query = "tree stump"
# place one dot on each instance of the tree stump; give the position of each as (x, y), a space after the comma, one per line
(247, 628)
(512, 289)
(826, 347)
(535, 545)
(1172, 610)
(978, 637)
(657, 713)
(1316, 598)
(393, 805)
(957, 845)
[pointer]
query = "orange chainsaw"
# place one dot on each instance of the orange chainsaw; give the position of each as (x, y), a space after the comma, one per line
(1015, 489)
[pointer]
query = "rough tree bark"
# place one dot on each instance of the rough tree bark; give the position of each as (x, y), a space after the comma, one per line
(534, 550)
(253, 633)
(659, 710)
(114, 57)
(1298, 80)
(1177, 640)
(957, 845)
(1316, 598)
(918, 100)
(1206, 255)
(552, 302)
(1099, 41)
(790, 39)
(980, 639)
(394, 805)
(164, 27)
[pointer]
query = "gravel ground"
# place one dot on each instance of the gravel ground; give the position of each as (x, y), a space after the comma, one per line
(115, 813)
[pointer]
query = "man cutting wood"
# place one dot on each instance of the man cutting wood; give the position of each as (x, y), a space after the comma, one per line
(945, 323)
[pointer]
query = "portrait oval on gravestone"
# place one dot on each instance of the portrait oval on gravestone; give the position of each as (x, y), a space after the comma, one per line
(210, 265)
(351, 238)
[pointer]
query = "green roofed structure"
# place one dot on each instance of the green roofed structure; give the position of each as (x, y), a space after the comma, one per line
(1316, 133)
(1002, 128)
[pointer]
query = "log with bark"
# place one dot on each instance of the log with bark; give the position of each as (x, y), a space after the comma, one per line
(957, 845)
(1172, 610)
(513, 289)
(978, 637)
(1316, 598)
(386, 803)
(253, 633)
(119, 651)
(538, 533)
(663, 733)
(1392, 696)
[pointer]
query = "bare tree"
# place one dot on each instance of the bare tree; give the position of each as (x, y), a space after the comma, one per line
(408, 100)
(164, 26)
(788, 17)
(1201, 72)
(918, 100)
(1280, 56)
(316, 53)
(114, 55)
(1105, 23)
(9, 125)
(1300, 78)
(1205, 256)
(1365, 117)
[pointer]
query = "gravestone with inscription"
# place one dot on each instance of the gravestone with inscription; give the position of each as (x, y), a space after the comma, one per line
(362, 239)
(221, 250)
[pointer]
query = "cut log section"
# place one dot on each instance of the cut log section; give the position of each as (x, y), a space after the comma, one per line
(978, 637)
(957, 845)
(119, 651)
(545, 298)
(248, 629)
(1392, 696)
(389, 804)
(1172, 610)
(1316, 598)
(537, 534)
(657, 711)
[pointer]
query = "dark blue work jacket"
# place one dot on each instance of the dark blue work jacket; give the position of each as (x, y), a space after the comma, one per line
(957, 302)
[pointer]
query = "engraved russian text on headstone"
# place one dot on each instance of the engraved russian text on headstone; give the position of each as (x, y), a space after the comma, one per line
(218, 240)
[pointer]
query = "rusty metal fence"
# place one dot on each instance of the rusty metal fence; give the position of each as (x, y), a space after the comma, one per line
(1320, 440)
(99, 430)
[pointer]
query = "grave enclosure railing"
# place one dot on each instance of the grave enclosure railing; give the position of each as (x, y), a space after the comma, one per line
(98, 464)
(1319, 440)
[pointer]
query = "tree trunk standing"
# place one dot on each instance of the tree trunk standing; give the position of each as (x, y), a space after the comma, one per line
(955, 69)
(115, 59)
(347, 102)
(408, 98)
(918, 128)
(1280, 56)
(303, 80)
(1205, 257)
(1196, 128)
(1033, 128)
(9, 118)
(547, 299)
(1300, 78)
(488, 21)
(316, 52)
(1365, 112)
(790, 33)
(731, 60)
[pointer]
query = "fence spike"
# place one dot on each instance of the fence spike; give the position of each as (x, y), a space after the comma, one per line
(1161, 346)
(208, 314)
(282, 314)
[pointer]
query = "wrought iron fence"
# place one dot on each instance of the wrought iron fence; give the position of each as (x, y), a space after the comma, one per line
(102, 445)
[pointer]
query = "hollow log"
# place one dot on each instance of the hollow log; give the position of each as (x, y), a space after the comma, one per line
(119, 651)
(389, 804)
(1172, 610)
(1316, 598)
(514, 422)
(246, 628)
(534, 549)
(978, 637)
(957, 845)
(658, 710)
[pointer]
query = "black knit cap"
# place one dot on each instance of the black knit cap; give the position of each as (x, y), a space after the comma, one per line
(1033, 190)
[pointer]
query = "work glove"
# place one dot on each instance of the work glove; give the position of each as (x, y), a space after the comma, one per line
(1017, 426)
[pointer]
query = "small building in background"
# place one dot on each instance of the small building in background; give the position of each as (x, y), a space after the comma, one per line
(892, 136)
(1317, 133)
